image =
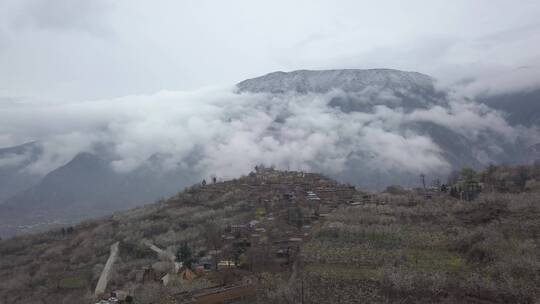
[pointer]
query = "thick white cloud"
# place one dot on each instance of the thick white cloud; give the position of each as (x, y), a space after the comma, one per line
(499, 80)
(218, 131)
(467, 118)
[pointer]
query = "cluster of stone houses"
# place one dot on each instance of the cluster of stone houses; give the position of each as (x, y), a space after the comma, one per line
(286, 205)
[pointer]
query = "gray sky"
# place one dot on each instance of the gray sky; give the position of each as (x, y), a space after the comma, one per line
(73, 50)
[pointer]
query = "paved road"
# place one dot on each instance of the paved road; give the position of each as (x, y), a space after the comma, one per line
(106, 273)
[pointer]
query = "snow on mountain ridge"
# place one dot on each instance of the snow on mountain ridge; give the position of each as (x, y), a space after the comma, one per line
(348, 80)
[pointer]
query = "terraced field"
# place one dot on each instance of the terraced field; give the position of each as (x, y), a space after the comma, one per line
(407, 249)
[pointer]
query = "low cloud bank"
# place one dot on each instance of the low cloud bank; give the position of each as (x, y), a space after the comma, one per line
(218, 131)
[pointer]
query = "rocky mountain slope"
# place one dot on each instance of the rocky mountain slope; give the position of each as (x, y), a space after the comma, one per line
(13, 161)
(520, 107)
(86, 186)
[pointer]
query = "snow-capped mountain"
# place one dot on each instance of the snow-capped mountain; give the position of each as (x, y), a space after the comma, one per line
(348, 80)
(406, 104)
(353, 89)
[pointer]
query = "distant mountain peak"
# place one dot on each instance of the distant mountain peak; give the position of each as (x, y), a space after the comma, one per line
(348, 80)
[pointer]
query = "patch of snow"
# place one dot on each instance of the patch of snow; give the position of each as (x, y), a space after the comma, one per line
(348, 80)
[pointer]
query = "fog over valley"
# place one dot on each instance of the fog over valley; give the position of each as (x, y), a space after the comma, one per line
(226, 131)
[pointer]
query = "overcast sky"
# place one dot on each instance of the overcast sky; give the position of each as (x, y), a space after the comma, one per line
(73, 50)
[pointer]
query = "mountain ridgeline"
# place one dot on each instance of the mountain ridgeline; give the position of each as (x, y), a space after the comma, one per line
(306, 81)
(87, 186)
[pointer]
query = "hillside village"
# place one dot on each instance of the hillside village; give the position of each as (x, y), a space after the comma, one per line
(294, 237)
(285, 207)
(207, 244)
